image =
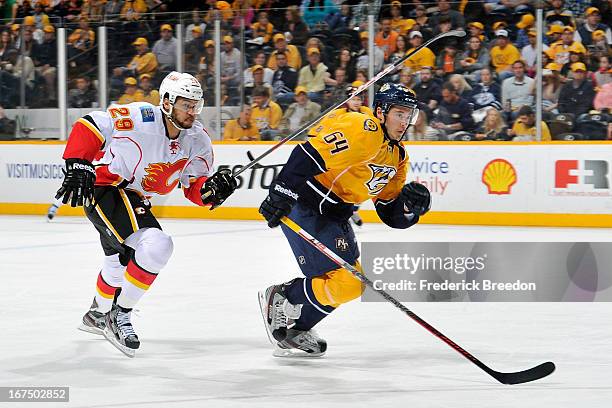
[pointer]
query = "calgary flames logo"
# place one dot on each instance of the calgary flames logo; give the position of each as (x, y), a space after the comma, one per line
(158, 177)
(380, 177)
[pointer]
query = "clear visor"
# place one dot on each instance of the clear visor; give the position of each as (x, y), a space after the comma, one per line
(189, 106)
(408, 116)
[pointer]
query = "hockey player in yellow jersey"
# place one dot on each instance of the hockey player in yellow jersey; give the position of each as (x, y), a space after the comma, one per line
(349, 157)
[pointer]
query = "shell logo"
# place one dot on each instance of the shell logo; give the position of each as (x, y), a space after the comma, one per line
(499, 176)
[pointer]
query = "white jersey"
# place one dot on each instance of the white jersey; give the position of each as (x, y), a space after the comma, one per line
(136, 148)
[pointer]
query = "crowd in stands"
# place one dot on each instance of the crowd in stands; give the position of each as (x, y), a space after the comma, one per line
(291, 63)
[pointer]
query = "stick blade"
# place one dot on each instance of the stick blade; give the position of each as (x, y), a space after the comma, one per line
(520, 377)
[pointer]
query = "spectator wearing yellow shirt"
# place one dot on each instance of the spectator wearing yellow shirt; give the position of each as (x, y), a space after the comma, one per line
(144, 62)
(503, 55)
(262, 28)
(398, 23)
(132, 93)
(294, 59)
(266, 114)
(83, 27)
(561, 50)
(132, 9)
(241, 128)
(423, 58)
(524, 128)
(148, 93)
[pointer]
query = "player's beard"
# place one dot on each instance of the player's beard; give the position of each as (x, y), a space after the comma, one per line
(185, 124)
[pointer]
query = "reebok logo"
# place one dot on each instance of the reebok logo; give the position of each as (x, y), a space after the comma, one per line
(83, 167)
(286, 191)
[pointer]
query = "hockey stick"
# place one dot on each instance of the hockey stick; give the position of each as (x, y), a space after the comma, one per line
(381, 74)
(518, 377)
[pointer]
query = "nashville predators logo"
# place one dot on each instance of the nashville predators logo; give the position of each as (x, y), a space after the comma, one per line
(370, 125)
(158, 177)
(380, 178)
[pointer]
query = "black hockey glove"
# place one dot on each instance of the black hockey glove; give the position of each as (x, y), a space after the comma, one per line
(78, 185)
(416, 198)
(218, 188)
(278, 204)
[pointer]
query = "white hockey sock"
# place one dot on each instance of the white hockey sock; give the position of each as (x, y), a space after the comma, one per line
(109, 280)
(152, 249)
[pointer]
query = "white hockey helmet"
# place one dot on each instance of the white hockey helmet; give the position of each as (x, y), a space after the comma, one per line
(185, 85)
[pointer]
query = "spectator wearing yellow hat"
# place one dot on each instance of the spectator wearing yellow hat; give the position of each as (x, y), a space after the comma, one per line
(551, 88)
(144, 62)
(363, 58)
(196, 21)
(526, 23)
(132, 93)
(476, 29)
(241, 128)
(577, 95)
(230, 64)
(576, 54)
(398, 23)
(45, 60)
(207, 62)
(313, 75)
(529, 51)
(553, 35)
(29, 25)
(294, 59)
(132, 9)
(559, 14)
(561, 50)
(266, 113)
(256, 79)
(259, 58)
(78, 34)
(222, 10)
(149, 94)
(592, 23)
(165, 49)
(194, 49)
(302, 111)
(262, 29)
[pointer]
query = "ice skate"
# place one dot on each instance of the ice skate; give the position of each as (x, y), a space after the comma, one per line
(52, 211)
(120, 332)
(93, 320)
(278, 314)
(300, 343)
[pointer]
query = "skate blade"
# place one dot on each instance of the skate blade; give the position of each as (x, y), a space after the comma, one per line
(262, 308)
(92, 330)
(110, 336)
(294, 353)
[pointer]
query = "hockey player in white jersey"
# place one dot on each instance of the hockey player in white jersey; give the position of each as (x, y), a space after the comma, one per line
(145, 151)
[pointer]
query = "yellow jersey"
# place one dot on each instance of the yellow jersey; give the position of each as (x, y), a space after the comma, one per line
(360, 163)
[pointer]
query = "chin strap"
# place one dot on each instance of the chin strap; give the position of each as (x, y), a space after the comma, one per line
(169, 117)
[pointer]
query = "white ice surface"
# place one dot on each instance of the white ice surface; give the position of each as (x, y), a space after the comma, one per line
(204, 345)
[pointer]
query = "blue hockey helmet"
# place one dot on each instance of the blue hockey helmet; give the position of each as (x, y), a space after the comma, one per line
(391, 94)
